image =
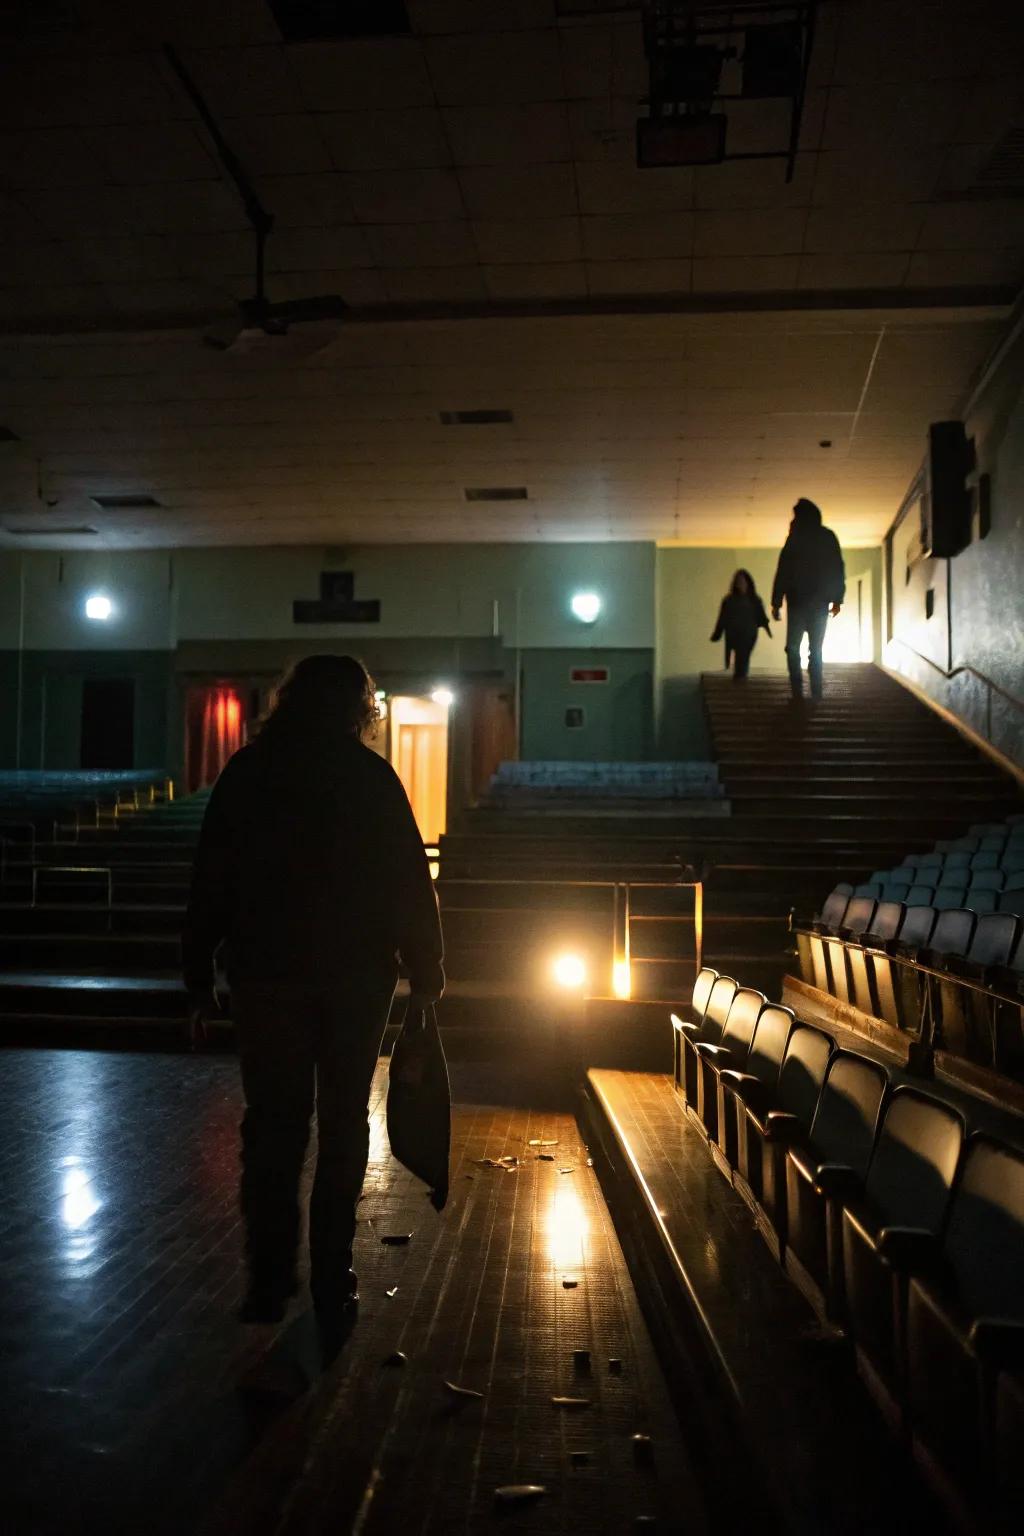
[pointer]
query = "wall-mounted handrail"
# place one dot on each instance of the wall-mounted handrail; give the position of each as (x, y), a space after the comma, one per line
(991, 686)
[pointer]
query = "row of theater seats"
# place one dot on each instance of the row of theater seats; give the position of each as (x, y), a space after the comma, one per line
(983, 871)
(902, 1227)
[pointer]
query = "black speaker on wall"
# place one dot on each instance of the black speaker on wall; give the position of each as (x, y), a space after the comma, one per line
(947, 501)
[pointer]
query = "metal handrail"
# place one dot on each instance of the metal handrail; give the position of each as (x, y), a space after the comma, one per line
(964, 667)
(76, 869)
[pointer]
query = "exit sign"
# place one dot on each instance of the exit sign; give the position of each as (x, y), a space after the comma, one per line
(588, 674)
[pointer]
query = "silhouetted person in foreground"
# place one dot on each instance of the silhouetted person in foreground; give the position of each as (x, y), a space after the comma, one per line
(739, 619)
(311, 871)
(811, 579)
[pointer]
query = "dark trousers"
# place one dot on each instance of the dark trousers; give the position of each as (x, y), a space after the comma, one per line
(810, 619)
(301, 1046)
(741, 659)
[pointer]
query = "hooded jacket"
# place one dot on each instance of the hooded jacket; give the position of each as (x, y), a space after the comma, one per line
(810, 568)
(310, 868)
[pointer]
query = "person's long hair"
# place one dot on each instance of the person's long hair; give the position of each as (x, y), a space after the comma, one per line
(751, 589)
(320, 699)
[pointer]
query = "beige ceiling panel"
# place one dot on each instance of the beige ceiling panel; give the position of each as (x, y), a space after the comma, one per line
(753, 184)
(318, 198)
(759, 127)
(611, 277)
(162, 299)
(854, 176)
(864, 227)
(913, 114)
(363, 72)
(487, 68)
(533, 280)
(616, 186)
(529, 240)
(874, 269)
(435, 285)
(49, 157)
(306, 250)
(531, 192)
(957, 269)
(242, 82)
(973, 226)
(612, 55)
(404, 197)
(744, 274)
(603, 127)
(209, 256)
(46, 262)
(529, 134)
(288, 144)
(647, 235)
(146, 153)
(751, 232)
(182, 207)
(428, 245)
(479, 15)
(385, 140)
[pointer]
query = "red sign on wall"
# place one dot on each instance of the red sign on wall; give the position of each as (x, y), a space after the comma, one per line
(588, 674)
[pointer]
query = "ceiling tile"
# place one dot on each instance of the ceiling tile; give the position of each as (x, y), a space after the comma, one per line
(616, 186)
(384, 140)
(435, 285)
(288, 144)
(125, 258)
(865, 227)
(306, 250)
(404, 197)
(364, 72)
(608, 58)
(750, 232)
(753, 184)
(188, 205)
(742, 274)
(484, 69)
(960, 269)
(878, 175)
(316, 198)
(967, 226)
(135, 154)
(535, 192)
(428, 245)
(639, 276)
(480, 15)
(49, 157)
(357, 286)
(526, 280)
(638, 235)
(242, 82)
(508, 135)
(875, 269)
(532, 240)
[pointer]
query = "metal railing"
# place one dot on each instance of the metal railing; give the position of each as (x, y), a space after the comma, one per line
(964, 669)
(76, 869)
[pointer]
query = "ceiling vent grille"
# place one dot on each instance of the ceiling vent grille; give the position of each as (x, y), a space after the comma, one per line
(50, 533)
(496, 493)
(474, 418)
(136, 501)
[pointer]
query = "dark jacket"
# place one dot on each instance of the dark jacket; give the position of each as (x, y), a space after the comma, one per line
(311, 868)
(739, 619)
(810, 569)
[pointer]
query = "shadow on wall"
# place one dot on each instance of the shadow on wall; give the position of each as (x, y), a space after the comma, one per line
(682, 726)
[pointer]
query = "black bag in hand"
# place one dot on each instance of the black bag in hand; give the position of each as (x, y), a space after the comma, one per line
(419, 1103)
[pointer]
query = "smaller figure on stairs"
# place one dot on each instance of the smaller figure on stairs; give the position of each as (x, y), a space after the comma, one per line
(739, 619)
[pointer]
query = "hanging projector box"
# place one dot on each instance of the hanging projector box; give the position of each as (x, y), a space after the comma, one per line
(946, 504)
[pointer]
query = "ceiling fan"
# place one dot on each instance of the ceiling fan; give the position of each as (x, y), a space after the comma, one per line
(260, 316)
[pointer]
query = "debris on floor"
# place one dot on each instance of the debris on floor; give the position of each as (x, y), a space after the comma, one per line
(463, 1394)
(570, 1402)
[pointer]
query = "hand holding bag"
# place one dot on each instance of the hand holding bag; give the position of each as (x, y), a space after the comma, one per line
(419, 1103)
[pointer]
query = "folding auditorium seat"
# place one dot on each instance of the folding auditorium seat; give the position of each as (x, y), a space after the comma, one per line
(949, 898)
(827, 1171)
(986, 880)
(859, 916)
(985, 860)
(1008, 1435)
(965, 1323)
(956, 859)
(769, 1121)
(904, 1205)
(958, 845)
(954, 875)
(885, 925)
(710, 1028)
(1012, 861)
(983, 829)
(968, 1014)
(762, 1067)
(694, 1011)
(897, 990)
(813, 965)
(951, 936)
(919, 896)
(894, 890)
(872, 888)
(730, 1051)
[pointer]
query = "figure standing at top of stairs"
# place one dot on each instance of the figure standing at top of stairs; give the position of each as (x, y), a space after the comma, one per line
(811, 578)
(739, 619)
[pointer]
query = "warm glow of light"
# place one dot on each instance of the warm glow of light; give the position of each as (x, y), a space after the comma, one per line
(444, 697)
(435, 869)
(382, 703)
(97, 606)
(586, 606)
(569, 971)
(567, 1228)
(621, 979)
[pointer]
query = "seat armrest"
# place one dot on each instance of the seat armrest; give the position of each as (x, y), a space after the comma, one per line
(909, 1248)
(835, 1180)
(688, 1027)
(720, 1054)
(999, 1341)
(780, 1125)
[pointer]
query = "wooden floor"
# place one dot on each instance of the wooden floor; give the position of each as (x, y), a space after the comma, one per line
(120, 1265)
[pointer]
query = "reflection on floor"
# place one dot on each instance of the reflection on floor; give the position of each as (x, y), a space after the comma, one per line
(119, 1267)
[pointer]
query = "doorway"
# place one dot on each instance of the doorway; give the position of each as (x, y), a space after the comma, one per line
(214, 722)
(108, 723)
(419, 755)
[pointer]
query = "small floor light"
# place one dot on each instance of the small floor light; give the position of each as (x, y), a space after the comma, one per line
(586, 606)
(569, 971)
(98, 607)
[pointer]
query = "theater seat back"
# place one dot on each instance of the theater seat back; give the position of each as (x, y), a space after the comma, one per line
(953, 932)
(742, 1021)
(722, 993)
(834, 910)
(803, 1071)
(984, 1241)
(768, 1047)
(844, 1126)
(915, 1161)
(994, 939)
(885, 924)
(702, 991)
(859, 914)
(916, 928)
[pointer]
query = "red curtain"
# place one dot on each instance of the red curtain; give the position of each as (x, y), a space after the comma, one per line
(215, 732)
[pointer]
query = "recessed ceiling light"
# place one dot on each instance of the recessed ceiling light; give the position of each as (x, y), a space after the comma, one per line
(495, 493)
(133, 501)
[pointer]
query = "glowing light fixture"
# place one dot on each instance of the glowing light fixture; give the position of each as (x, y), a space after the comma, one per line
(621, 979)
(586, 606)
(98, 606)
(444, 697)
(569, 971)
(382, 703)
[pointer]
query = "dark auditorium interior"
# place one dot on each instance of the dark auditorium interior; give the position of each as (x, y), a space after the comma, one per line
(485, 341)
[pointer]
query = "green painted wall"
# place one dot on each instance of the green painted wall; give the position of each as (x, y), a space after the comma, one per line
(51, 705)
(618, 715)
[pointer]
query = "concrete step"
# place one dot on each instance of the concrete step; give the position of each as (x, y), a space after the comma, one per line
(21, 918)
